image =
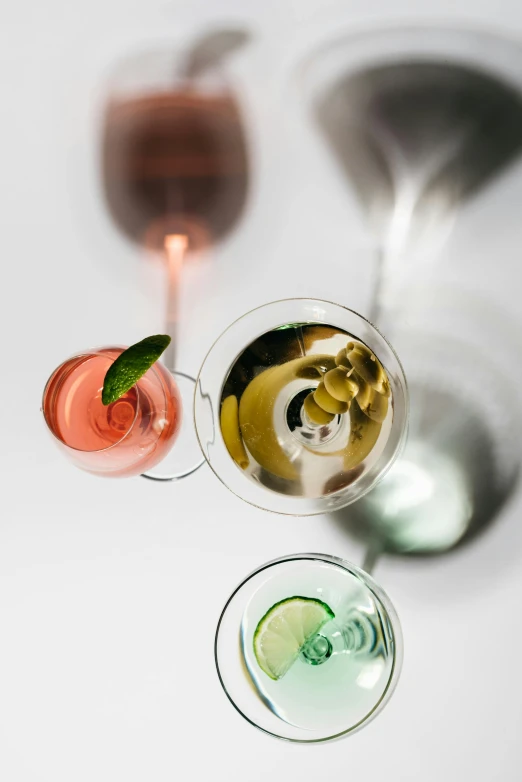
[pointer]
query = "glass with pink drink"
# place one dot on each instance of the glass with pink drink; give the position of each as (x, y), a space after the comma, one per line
(127, 437)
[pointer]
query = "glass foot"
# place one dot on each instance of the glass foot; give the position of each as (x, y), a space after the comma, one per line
(185, 457)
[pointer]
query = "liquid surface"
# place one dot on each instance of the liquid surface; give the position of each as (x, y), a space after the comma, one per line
(126, 437)
(272, 394)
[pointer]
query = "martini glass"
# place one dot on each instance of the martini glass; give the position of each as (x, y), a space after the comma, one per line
(301, 407)
(340, 678)
(131, 435)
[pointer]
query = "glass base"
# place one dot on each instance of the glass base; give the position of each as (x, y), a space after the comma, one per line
(185, 457)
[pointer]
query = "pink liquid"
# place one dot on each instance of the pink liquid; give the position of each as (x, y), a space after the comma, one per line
(125, 438)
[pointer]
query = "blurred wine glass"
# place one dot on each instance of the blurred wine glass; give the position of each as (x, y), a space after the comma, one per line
(174, 149)
(175, 172)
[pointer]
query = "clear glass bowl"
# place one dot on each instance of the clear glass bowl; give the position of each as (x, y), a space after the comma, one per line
(126, 438)
(298, 470)
(312, 702)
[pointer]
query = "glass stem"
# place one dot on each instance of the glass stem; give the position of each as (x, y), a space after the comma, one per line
(377, 311)
(373, 553)
(382, 294)
(175, 248)
(169, 358)
(317, 650)
(376, 301)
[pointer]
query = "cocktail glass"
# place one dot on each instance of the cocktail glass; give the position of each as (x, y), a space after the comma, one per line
(343, 675)
(271, 360)
(125, 438)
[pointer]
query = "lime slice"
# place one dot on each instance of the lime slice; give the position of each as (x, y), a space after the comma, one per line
(285, 629)
(131, 365)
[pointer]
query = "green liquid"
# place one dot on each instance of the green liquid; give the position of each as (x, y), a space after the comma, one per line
(344, 671)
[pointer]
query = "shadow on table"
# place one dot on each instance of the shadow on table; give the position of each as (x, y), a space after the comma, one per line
(461, 463)
(415, 136)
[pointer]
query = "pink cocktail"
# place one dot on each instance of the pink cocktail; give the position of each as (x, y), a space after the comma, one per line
(125, 438)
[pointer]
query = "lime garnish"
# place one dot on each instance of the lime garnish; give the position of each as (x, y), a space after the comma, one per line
(131, 365)
(285, 629)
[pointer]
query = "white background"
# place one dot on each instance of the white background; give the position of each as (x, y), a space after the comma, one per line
(110, 590)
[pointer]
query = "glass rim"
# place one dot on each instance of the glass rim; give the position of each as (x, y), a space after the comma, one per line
(299, 298)
(87, 354)
(333, 36)
(165, 67)
(303, 299)
(396, 631)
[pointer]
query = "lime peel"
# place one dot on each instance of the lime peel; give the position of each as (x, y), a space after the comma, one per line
(284, 630)
(131, 365)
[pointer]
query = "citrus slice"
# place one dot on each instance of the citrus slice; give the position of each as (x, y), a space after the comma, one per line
(285, 629)
(131, 365)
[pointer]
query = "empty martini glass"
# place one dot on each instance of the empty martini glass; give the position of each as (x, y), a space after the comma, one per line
(301, 407)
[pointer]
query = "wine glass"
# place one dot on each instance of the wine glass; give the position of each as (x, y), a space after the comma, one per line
(301, 407)
(129, 436)
(174, 170)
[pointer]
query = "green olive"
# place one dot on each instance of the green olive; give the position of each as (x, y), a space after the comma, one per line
(367, 365)
(364, 434)
(313, 367)
(341, 360)
(377, 410)
(327, 402)
(365, 394)
(315, 413)
(339, 385)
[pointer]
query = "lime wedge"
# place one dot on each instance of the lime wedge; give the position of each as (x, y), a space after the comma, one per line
(285, 629)
(131, 365)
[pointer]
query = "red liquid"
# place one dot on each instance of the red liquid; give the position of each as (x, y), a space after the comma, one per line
(175, 162)
(125, 438)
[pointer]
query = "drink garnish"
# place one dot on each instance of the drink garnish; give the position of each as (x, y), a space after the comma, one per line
(131, 365)
(285, 629)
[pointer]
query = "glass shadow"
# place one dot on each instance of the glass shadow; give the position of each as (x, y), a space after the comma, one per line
(461, 462)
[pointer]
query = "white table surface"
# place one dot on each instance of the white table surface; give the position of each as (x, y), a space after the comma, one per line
(110, 590)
